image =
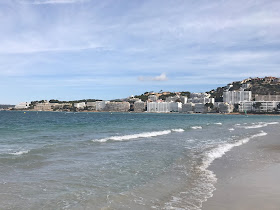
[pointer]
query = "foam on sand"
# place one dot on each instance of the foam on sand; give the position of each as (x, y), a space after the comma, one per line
(219, 123)
(138, 135)
(205, 179)
(222, 149)
(208, 177)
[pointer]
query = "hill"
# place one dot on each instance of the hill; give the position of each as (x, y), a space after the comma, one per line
(258, 86)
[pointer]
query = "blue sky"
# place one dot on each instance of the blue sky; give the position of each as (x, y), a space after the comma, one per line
(76, 49)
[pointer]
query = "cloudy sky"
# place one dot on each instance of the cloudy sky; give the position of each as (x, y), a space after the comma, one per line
(76, 49)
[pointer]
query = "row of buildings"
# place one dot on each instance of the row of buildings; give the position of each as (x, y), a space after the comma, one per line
(245, 103)
(90, 106)
(233, 101)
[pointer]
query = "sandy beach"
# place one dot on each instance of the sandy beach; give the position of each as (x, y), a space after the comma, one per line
(248, 176)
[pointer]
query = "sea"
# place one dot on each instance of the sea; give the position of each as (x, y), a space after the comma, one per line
(63, 160)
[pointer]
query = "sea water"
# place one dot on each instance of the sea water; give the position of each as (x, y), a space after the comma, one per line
(59, 160)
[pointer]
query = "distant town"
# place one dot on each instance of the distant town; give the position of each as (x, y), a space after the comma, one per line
(252, 95)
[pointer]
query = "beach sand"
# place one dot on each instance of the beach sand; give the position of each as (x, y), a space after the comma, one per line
(248, 176)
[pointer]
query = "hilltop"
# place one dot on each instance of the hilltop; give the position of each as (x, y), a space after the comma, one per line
(258, 86)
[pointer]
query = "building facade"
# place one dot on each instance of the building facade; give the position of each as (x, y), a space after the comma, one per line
(188, 107)
(100, 105)
(233, 97)
(139, 106)
(117, 107)
(267, 97)
(22, 105)
(265, 106)
(164, 106)
(152, 98)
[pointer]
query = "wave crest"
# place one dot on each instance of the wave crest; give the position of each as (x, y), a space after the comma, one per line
(196, 127)
(20, 152)
(138, 135)
(260, 125)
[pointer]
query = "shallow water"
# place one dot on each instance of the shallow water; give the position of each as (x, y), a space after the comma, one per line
(56, 160)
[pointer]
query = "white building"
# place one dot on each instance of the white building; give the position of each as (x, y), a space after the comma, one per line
(225, 108)
(80, 105)
(91, 105)
(139, 106)
(233, 97)
(100, 105)
(23, 105)
(164, 106)
(188, 107)
(267, 97)
(199, 95)
(266, 106)
(200, 108)
(184, 99)
(117, 107)
(204, 100)
(172, 99)
(46, 106)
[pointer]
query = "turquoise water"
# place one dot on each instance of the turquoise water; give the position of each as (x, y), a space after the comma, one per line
(56, 160)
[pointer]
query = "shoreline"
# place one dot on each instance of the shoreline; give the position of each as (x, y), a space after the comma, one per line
(86, 111)
(248, 176)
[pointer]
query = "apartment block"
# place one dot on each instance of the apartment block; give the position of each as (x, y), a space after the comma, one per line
(233, 97)
(139, 106)
(117, 107)
(266, 106)
(164, 106)
(22, 105)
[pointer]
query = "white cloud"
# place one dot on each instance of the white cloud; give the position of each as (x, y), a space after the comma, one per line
(161, 77)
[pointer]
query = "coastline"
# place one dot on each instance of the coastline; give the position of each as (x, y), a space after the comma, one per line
(209, 113)
(248, 176)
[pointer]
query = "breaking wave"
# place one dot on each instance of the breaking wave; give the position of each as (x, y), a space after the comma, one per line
(219, 123)
(178, 130)
(205, 178)
(222, 149)
(196, 127)
(260, 125)
(19, 152)
(138, 135)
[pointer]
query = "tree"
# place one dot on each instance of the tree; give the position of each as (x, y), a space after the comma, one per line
(186, 93)
(209, 105)
(257, 105)
(278, 106)
(236, 108)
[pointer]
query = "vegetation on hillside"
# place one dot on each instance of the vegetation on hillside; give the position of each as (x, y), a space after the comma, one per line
(260, 87)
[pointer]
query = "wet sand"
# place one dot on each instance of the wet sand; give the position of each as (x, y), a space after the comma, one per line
(248, 176)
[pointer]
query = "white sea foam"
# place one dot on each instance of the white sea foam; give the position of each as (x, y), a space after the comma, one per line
(222, 149)
(255, 126)
(219, 123)
(206, 179)
(231, 129)
(196, 127)
(178, 130)
(138, 135)
(19, 152)
(273, 123)
(260, 125)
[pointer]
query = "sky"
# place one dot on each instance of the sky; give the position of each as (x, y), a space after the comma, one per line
(92, 49)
